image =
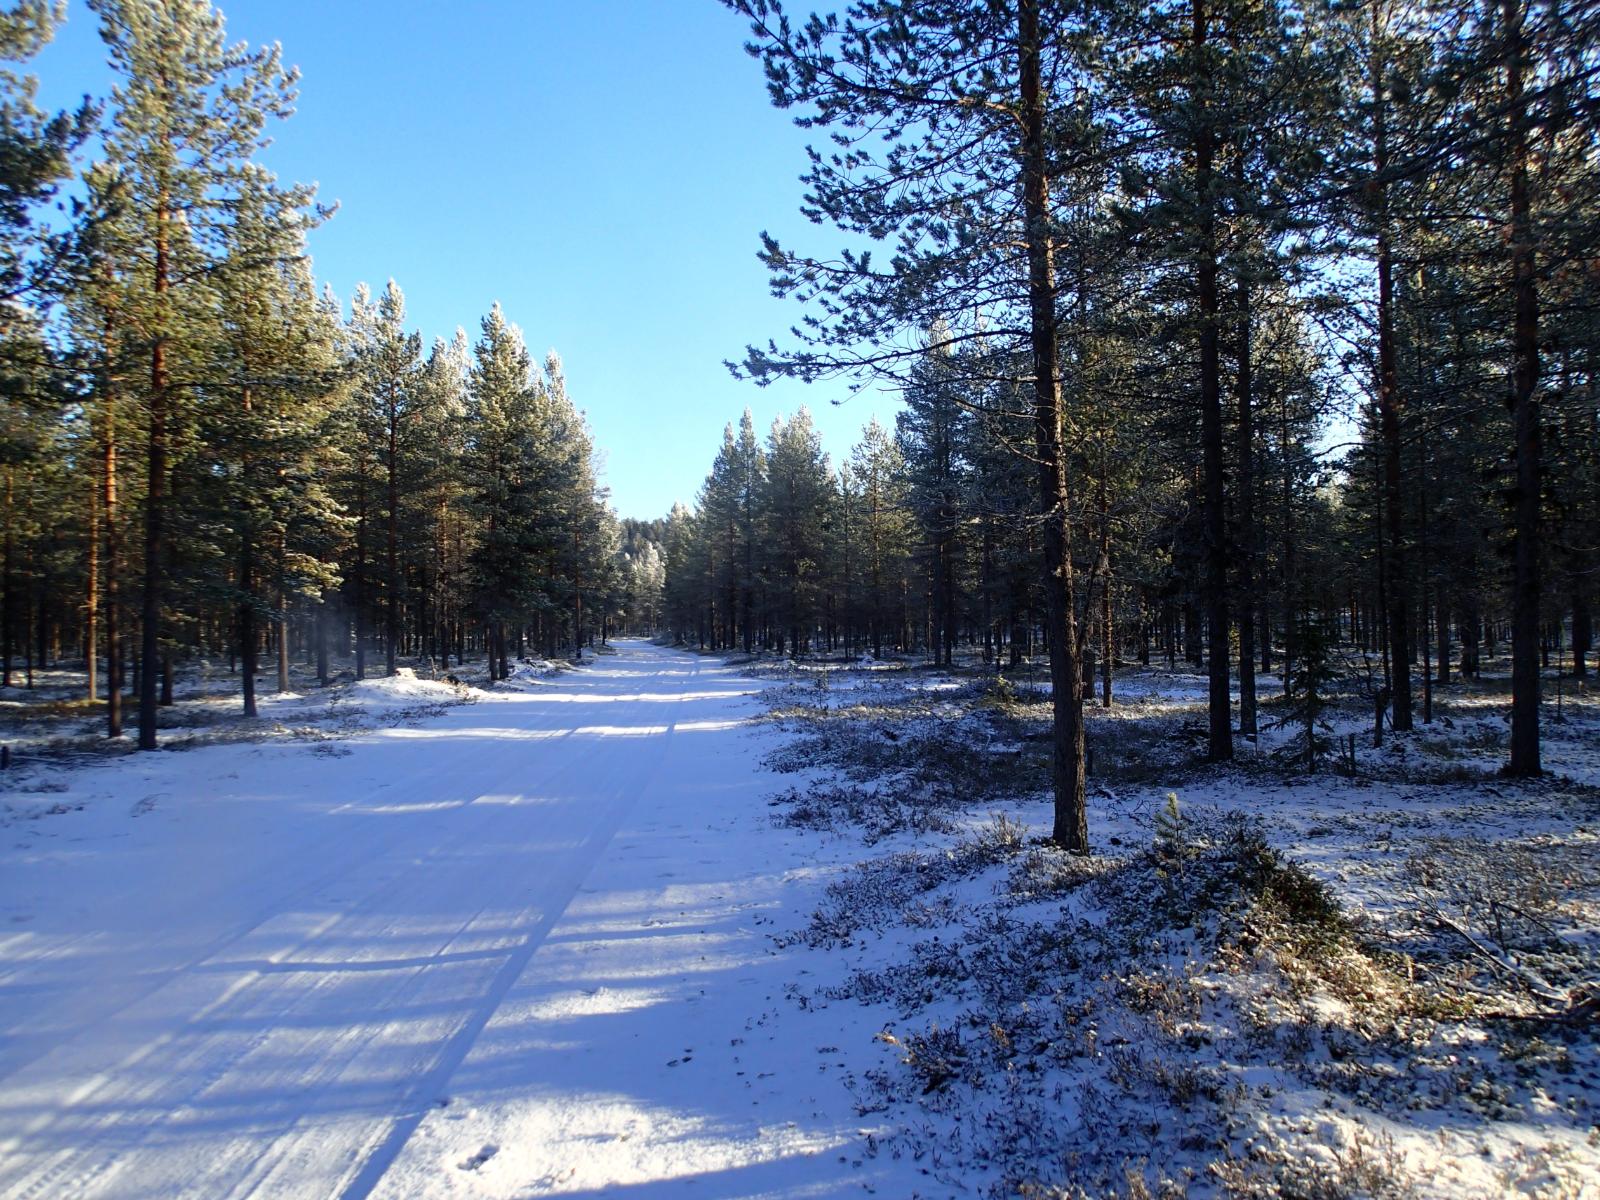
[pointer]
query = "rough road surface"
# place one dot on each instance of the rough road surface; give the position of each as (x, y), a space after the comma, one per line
(496, 952)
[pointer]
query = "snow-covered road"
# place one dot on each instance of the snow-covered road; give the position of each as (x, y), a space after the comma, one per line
(498, 952)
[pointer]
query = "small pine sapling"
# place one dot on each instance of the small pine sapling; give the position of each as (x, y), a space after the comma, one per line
(1315, 673)
(1002, 694)
(1169, 836)
(1170, 844)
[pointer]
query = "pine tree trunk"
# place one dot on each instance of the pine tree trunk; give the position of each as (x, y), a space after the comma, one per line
(1427, 662)
(1468, 629)
(1107, 633)
(1397, 581)
(1071, 829)
(1219, 745)
(1441, 618)
(8, 581)
(283, 624)
(1422, 636)
(321, 634)
(1525, 584)
(155, 508)
(361, 576)
(1246, 548)
(247, 618)
(577, 599)
(1381, 609)
(987, 584)
(113, 600)
(392, 564)
(27, 626)
(1582, 637)
(1287, 565)
(246, 613)
(91, 599)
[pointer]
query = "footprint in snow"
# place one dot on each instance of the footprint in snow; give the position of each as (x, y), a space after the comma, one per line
(477, 1160)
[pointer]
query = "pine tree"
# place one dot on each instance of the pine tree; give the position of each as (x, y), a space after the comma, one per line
(931, 432)
(35, 156)
(388, 367)
(265, 432)
(797, 496)
(948, 145)
(579, 528)
(435, 496)
(885, 533)
(501, 454)
(187, 113)
(680, 591)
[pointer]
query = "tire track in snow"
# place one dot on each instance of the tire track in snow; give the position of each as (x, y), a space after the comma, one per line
(273, 1147)
(457, 1049)
(262, 911)
(384, 890)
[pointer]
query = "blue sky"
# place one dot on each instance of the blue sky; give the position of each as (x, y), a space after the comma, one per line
(602, 168)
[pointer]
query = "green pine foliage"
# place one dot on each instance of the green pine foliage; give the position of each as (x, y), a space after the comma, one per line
(1315, 286)
(206, 460)
(1293, 260)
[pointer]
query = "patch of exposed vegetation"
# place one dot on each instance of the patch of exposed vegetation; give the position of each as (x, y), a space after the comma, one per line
(1158, 999)
(1201, 1013)
(875, 812)
(926, 750)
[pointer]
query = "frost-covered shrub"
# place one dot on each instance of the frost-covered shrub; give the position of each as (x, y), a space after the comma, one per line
(877, 812)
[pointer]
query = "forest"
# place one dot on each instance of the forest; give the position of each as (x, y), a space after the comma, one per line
(1159, 758)
(209, 457)
(1261, 336)
(1314, 286)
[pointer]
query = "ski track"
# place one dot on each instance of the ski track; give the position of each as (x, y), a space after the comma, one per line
(280, 987)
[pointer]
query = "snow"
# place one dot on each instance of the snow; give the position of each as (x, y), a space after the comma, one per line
(517, 946)
(1037, 1044)
(547, 938)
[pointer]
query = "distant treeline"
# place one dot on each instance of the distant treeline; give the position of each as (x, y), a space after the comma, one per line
(204, 456)
(1136, 266)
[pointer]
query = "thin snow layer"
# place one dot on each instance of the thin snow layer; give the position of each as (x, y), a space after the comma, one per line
(516, 948)
(547, 939)
(403, 690)
(1136, 1025)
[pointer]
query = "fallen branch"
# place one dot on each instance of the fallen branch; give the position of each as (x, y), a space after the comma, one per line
(1580, 1003)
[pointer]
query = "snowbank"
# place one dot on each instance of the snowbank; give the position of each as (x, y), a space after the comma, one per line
(401, 691)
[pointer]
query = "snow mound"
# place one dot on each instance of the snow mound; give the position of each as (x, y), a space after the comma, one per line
(401, 690)
(526, 673)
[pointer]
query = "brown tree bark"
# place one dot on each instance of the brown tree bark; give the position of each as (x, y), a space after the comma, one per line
(8, 581)
(1071, 830)
(1582, 637)
(245, 618)
(91, 599)
(1397, 584)
(113, 566)
(155, 505)
(1245, 500)
(320, 633)
(282, 623)
(1108, 642)
(361, 575)
(1219, 743)
(392, 571)
(1525, 581)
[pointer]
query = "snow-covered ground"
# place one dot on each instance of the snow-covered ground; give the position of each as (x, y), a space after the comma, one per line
(574, 935)
(1381, 980)
(514, 947)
